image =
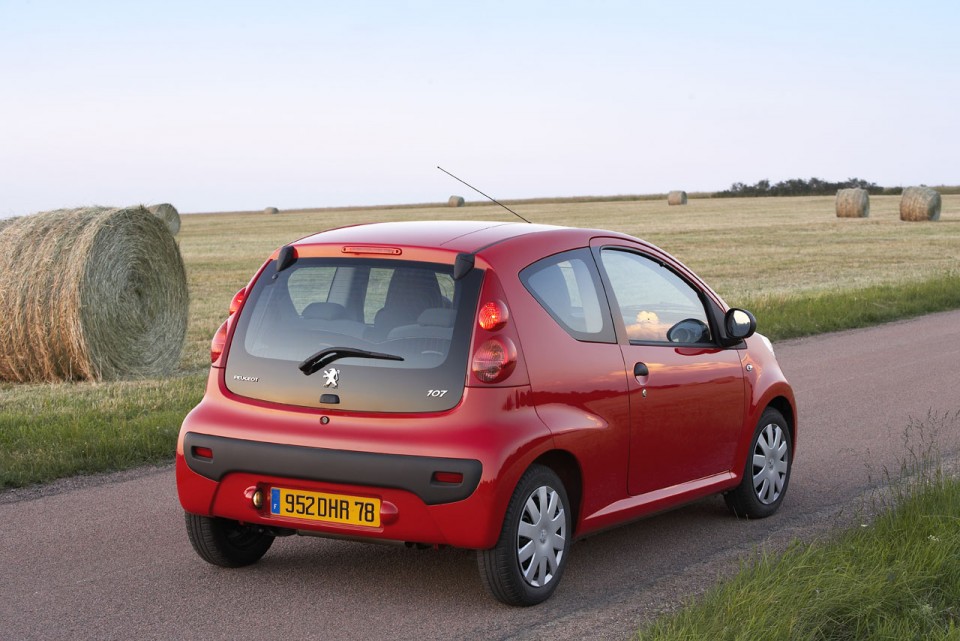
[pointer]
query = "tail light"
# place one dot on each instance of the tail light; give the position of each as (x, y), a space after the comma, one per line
(494, 360)
(496, 357)
(493, 315)
(237, 301)
(219, 342)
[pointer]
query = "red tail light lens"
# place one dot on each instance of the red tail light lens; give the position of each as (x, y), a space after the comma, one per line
(218, 343)
(494, 360)
(493, 315)
(237, 301)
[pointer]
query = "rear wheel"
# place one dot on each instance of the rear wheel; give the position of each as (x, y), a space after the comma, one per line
(528, 561)
(766, 473)
(226, 543)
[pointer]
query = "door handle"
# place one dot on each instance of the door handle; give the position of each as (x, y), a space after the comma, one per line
(641, 369)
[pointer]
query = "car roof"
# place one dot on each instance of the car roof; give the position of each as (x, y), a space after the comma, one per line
(453, 235)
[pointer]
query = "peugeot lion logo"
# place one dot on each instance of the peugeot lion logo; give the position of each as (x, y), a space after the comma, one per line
(331, 377)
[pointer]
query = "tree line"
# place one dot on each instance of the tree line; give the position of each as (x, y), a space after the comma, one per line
(801, 187)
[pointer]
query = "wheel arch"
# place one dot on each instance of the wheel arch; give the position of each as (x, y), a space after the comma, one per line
(565, 465)
(783, 405)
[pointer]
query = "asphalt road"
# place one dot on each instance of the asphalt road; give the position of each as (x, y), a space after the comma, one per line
(108, 557)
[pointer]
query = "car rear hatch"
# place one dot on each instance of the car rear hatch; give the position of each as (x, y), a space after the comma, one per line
(387, 333)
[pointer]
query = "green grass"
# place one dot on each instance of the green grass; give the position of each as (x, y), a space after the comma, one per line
(896, 578)
(790, 260)
(53, 431)
(793, 316)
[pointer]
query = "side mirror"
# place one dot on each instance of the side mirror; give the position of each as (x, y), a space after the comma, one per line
(740, 324)
(689, 331)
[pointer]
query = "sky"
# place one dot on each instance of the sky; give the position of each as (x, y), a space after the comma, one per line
(225, 106)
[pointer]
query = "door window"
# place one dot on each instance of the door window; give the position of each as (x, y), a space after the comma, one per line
(657, 306)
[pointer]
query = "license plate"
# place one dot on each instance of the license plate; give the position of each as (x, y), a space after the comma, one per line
(328, 508)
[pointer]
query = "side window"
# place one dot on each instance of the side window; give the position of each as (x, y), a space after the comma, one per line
(378, 289)
(310, 285)
(656, 305)
(447, 286)
(376, 293)
(568, 287)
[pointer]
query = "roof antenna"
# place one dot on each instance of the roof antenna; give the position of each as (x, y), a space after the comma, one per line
(483, 194)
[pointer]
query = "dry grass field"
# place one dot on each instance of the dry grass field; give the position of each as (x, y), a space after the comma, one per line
(745, 248)
(791, 260)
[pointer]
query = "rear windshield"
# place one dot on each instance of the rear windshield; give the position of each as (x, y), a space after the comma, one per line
(414, 313)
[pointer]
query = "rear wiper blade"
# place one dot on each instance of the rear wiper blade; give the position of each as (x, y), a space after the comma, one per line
(326, 356)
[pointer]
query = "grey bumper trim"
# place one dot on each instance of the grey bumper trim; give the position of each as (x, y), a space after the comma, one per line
(411, 473)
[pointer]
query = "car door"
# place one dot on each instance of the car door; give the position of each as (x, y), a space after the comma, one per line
(686, 393)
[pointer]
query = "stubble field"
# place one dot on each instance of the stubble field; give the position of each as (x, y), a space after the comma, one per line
(781, 257)
(745, 248)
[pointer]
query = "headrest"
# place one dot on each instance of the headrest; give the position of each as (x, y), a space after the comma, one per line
(324, 311)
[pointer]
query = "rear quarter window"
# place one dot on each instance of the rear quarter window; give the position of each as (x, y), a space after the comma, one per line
(567, 286)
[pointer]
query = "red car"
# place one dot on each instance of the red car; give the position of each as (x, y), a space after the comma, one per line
(503, 387)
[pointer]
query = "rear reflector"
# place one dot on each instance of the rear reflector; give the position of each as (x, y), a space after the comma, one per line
(448, 477)
(203, 452)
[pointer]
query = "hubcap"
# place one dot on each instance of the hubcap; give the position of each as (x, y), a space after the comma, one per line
(541, 537)
(771, 460)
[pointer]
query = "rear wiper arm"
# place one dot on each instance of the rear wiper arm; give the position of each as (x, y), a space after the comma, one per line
(326, 356)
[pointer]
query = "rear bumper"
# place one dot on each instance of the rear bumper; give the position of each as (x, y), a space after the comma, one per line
(403, 516)
(413, 474)
(490, 440)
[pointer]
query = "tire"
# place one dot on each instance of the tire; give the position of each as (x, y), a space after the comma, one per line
(528, 561)
(766, 473)
(226, 543)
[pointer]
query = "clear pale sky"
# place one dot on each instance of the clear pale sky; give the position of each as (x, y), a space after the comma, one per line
(234, 105)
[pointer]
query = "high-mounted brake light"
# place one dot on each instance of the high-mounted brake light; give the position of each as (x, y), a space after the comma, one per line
(493, 315)
(369, 249)
(494, 360)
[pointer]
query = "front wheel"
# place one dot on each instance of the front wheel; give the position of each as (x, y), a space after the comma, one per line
(226, 543)
(528, 561)
(766, 473)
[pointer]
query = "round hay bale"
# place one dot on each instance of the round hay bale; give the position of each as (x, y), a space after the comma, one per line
(90, 294)
(677, 198)
(168, 214)
(455, 201)
(853, 203)
(271, 211)
(920, 203)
